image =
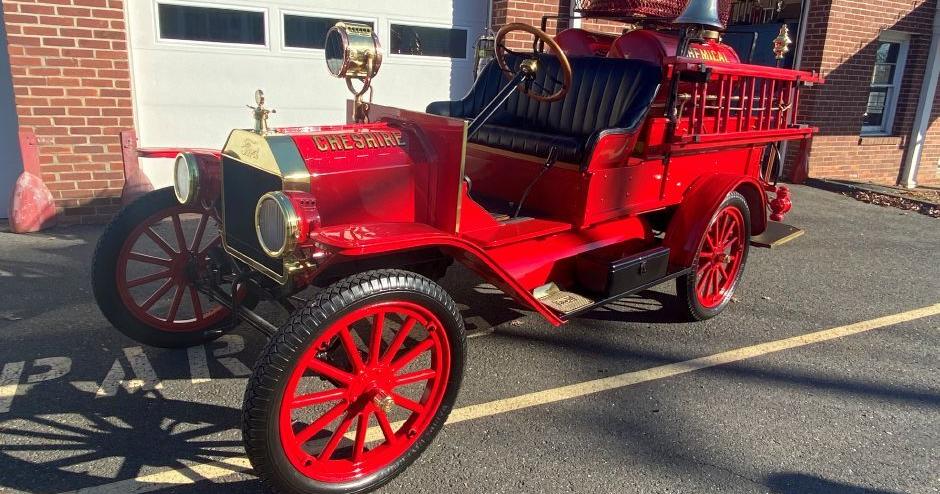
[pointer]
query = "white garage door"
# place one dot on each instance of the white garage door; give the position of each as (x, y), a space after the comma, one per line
(196, 64)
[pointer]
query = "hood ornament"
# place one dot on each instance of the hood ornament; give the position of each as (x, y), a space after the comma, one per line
(261, 114)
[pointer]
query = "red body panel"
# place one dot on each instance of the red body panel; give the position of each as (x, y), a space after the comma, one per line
(409, 181)
(355, 179)
(655, 47)
(581, 43)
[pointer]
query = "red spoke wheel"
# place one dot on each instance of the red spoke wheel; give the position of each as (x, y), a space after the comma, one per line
(719, 262)
(355, 386)
(144, 269)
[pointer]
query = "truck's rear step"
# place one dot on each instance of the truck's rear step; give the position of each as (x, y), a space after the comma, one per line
(776, 235)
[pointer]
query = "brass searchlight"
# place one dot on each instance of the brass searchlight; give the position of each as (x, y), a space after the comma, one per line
(353, 53)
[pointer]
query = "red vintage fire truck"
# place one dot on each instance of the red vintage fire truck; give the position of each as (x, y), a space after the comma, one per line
(588, 169)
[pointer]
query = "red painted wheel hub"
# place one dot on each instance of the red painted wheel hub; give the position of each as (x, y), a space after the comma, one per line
(385, 369)
(720, 258)
(157, 296)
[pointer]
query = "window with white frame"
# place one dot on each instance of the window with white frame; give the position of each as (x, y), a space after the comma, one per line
(211, 24)
(427, 41)
(306, 31)
(886, 78)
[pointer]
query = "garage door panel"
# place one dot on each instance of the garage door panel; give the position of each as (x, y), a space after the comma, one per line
(193, 94)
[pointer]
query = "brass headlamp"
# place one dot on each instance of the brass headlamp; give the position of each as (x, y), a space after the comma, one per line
(353, 52)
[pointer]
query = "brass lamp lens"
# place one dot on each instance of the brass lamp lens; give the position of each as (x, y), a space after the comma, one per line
(353, 51)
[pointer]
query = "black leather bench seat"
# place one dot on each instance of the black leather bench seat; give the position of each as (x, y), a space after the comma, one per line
(605, 94)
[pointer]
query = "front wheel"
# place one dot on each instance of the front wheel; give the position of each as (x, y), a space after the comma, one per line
(144, 271)
(719, 262)
(355, 386)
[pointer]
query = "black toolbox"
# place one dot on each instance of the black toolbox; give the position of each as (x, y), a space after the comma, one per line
(625, 275)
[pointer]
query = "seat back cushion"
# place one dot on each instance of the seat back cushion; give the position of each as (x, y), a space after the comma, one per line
(605, 94)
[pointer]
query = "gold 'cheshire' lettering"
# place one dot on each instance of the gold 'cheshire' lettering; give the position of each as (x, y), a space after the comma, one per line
(358, 140)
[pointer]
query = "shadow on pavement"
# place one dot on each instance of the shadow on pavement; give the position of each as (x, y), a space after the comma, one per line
(122, 437)
(801, 483)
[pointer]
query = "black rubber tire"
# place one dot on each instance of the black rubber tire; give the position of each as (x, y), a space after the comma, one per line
(268, 381)
(103, 276)
(685, 285)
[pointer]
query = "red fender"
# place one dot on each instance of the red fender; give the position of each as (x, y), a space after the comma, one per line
(174, 152)
(382, 238)
(210, 164)
(701, 200)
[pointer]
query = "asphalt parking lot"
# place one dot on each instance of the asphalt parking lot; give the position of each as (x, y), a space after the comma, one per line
(83, 408)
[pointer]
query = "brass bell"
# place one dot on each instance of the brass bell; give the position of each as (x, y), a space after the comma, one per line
(701, 12)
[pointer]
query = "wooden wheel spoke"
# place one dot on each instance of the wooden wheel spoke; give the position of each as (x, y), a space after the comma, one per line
(730, 232)
(351, 349)
(362, 429)
(157, 295)
(197, 304)
(338, 435)
(413, 354)
(415, 377)
(329, 371)
(703, 279)
(180, 236)
(724, 272)
(215, 242)
(407, 403)
(375, 348)
(175, 305)
(146, 259)
(311, 430)
(399, 340)
(149, 279)
(200, 232)
(710, 241)
(312, 399)
(386, 426)
(157, 239)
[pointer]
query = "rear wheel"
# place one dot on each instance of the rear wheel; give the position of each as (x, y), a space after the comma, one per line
(719, 262)
(144, 269)
(355, 386)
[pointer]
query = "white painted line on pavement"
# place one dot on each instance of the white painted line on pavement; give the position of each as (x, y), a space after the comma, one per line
(218, 470)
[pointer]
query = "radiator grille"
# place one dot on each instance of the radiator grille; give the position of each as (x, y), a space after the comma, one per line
(242, 187)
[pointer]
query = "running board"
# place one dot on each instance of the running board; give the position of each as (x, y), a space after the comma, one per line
(561, 301)
(570, 305)
(776, 235)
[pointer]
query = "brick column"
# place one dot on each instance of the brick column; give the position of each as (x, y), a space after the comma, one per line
(71, 77)
(529, 12)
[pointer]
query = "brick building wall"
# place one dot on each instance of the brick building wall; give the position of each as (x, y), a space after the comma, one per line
(531, 12)
(841, 43)
(71, 79)
(528, 12)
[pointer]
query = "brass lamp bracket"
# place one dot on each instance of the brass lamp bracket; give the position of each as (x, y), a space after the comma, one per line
(261, 113)
(361, 105)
